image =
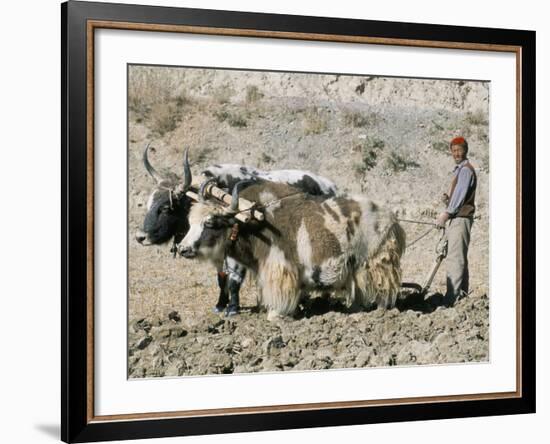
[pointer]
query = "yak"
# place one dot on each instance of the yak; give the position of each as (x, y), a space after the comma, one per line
(340, 243)
(168, 210)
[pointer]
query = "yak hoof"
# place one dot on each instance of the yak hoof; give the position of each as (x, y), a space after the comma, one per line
(273, 316)
(231, 310)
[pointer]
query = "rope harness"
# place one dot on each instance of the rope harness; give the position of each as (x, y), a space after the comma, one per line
(423, 235)
(441, 246)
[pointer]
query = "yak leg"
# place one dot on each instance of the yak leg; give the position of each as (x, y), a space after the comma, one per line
(280, 289)
(236, 274)
(223, 297)
(365, 294)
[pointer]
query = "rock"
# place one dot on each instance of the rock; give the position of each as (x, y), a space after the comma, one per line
(325, 354)
(271, 365)
(174, 369)
(444, 342)
(241, 369)
(178, 332)
(247, 342)
(363, 357)
(273, 343)
(142, 325)
(214, 327)
(144, 342)
(174, 316)
(306, 363)
(416, 352)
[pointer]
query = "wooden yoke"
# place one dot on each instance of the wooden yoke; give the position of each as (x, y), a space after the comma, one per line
(245, 212)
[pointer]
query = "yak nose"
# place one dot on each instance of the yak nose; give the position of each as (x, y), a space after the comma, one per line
(141, 236)
(187, 252)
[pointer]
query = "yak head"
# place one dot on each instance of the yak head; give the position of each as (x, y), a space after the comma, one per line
(167, 207)
(210, 227)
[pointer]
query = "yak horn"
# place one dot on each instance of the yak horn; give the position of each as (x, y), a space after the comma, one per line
(154, 173)
(187, 176)
(202, 189)
(234, 206)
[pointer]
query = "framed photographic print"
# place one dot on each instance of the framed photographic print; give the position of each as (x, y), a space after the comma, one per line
(276, 221)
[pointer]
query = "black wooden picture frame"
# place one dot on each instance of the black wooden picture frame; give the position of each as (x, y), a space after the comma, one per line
(79, 19)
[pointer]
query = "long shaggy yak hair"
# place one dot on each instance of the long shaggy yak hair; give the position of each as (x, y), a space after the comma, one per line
(378, 281)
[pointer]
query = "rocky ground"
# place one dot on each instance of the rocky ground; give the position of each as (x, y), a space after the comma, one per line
(323, 336)
(383, 137)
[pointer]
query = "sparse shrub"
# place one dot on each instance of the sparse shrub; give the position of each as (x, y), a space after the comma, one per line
(476, 118)
(437, 126)
(234, 120)
(358, 119)
(223, 94)
(440, 146)
(253, 94)
(374, 142)
(152, 88)
(164, 117)
(237, 121)
(314, 122)
(267, 158)
(369, 153)
(183, 100)
(397, 162)
(221, 115)
(369, 161)
(203, 155)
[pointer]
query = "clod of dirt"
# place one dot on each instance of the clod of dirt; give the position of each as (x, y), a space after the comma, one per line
(174, 316)
(144, 342)
(141, 325)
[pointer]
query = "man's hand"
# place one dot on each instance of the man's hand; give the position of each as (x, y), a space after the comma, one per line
(441, 219)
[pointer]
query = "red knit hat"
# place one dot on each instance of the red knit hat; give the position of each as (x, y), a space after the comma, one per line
(459, 141)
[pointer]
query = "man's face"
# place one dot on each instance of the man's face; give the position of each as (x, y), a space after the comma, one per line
(459, 153)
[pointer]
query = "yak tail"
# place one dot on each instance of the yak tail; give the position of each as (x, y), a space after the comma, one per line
(378, 280)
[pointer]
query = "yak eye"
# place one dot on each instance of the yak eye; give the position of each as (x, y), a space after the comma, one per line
(164, 209)
(210, 222)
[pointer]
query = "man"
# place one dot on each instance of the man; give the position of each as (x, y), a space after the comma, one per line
(460, 202)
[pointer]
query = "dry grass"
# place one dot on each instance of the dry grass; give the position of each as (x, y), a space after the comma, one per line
(315, 122)
(253, 94)
(476, 118)
(440, 146)
(397, 162)
(159, 284)
(157, 97)
(148, 86)
(370, 150)
(236, 120)
(266, 158)
(359, 119)
(164, 117)
(223, 94)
